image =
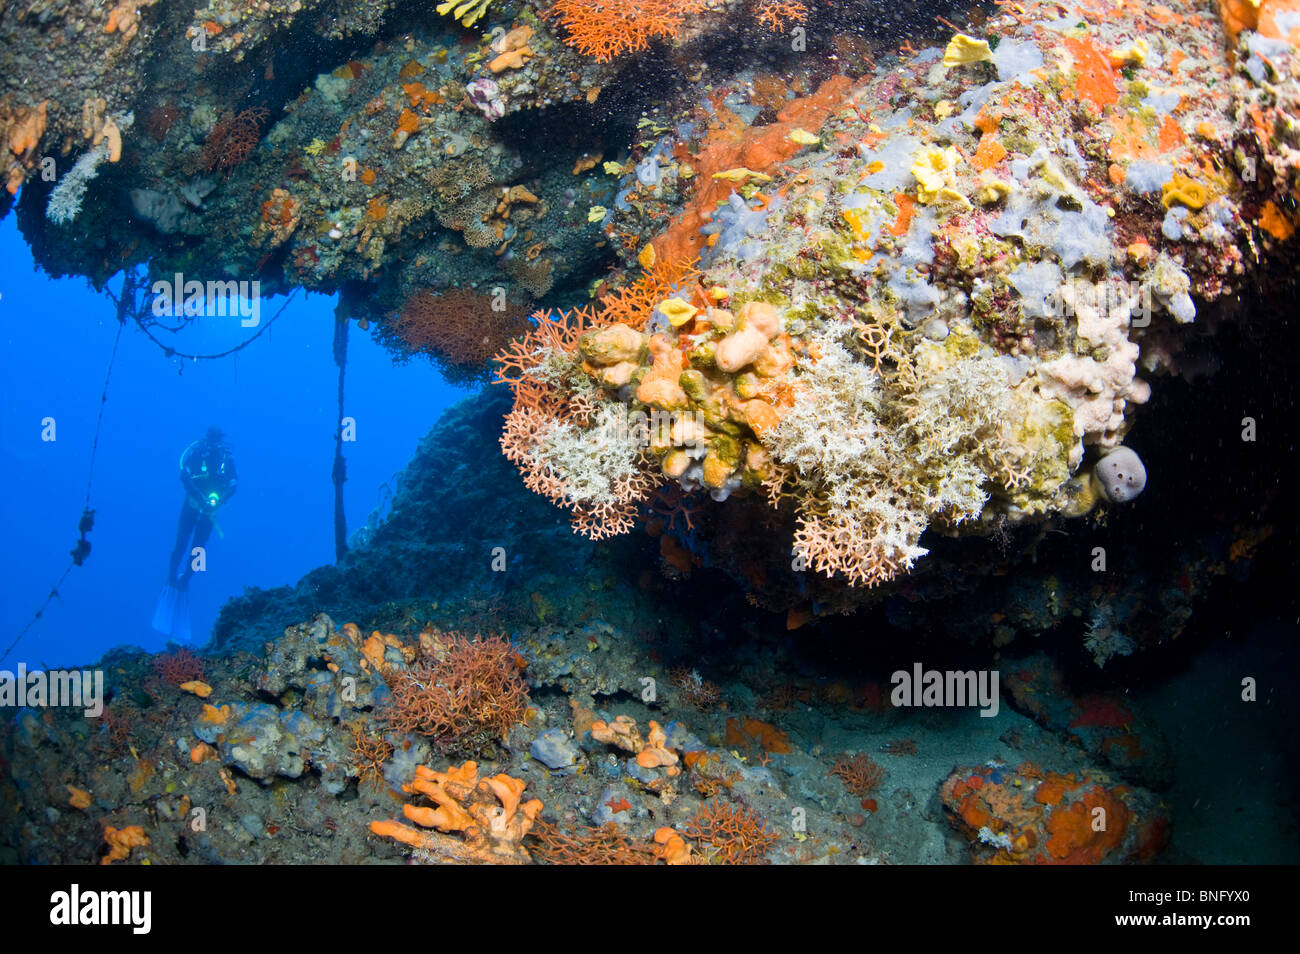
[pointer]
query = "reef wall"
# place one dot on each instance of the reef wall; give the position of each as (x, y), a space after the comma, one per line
(931, 302)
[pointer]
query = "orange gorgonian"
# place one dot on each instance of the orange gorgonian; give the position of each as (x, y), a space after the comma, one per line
(773, 14)
(605, 29)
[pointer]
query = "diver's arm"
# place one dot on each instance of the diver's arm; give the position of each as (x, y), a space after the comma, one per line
(191, 488)
(187, 478)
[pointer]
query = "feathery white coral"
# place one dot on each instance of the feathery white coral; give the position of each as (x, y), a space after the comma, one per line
(64, 204)
(833, 430)
(857, 520)
(959, 417)
(880, 459)
(590, 462)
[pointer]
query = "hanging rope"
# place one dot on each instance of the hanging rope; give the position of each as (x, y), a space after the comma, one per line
(138, 315)
(81, 550)
(340, 470)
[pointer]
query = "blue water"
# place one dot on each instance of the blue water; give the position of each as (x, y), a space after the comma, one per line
(275, 401)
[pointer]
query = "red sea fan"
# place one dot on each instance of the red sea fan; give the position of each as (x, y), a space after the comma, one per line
(459, 328)
(233, 140)
(178, 667)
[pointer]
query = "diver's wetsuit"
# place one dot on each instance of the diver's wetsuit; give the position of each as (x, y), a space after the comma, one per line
(208, 475)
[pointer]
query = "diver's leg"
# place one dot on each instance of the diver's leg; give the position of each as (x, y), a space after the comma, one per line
(165, 612)
(184, 526)
(202, 530)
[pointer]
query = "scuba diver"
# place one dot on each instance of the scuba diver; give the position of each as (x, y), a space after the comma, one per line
(208, 475)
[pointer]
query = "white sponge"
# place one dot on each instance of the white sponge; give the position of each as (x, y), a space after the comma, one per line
(1120, 475)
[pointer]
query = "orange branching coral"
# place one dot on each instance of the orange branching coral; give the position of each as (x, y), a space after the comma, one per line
(460, 687)
(489, 814)
(569, 442)
(369, 753)
(774, 14)
(121, 841)
(669, 505)
(597, 521)
(519, 432)
(861, 545)
(517, 362)
(731, 835)
(609, 28)
(861, 775)
(633, 303)
(459, 328)
(607, 845)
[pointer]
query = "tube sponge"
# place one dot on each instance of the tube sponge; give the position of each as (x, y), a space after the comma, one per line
(1120, 475)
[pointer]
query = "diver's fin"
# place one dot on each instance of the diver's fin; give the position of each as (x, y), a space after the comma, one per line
(164, 612)
(181, 618)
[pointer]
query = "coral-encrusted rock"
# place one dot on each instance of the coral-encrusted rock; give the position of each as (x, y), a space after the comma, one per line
(554, 749)
(1109, 726)
(324, 665)
(419, 551)
(263, 741)
(1027, 816)
(938, 341)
